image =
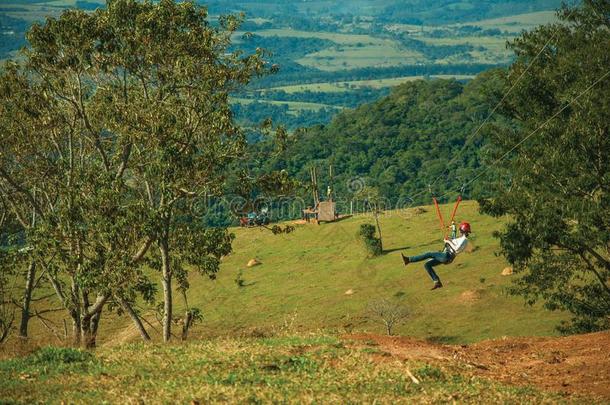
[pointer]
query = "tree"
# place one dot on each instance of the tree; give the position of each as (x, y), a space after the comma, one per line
(389, 313)
(558, 196)
(371, 242)
(19, 102)
(129, 110)
(59, 163)
(7, 310)
(166, 98)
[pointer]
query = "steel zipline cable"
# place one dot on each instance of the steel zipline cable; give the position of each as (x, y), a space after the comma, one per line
(469, 139)
(532, 133)
(517, 145)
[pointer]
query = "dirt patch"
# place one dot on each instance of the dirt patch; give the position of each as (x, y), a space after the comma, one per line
(403, 347)
(470, 296)
(574, 364)
(577, 364)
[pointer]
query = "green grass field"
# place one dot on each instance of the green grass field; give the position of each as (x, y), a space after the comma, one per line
(297, 369)
(342, 39)
(353, 57)
(302, 283)
(351, 50)
(495, 50)
(304, 277)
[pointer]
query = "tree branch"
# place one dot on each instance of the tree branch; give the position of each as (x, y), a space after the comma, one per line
(58, 290)
(124, 159)
(593, 270)
(98, 305)
(20, 189)
(142, 251)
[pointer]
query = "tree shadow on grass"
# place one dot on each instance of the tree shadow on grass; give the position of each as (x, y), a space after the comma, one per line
(386, 251)
(247, 284)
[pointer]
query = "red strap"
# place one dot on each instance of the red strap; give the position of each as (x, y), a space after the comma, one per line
(440, 216)
(457, 204)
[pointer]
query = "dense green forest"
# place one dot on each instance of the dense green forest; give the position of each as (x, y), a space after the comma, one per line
(402, 143)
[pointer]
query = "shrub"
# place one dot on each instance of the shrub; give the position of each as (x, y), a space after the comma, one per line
(371, 242)
(64, 355)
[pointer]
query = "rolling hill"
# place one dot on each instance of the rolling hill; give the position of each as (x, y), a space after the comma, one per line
(297, 330)
(302, 282)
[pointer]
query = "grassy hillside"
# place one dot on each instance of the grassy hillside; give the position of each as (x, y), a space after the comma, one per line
(304, 276)
(299, 289)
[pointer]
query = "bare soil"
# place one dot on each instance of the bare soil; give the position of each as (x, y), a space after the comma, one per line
(575, 365)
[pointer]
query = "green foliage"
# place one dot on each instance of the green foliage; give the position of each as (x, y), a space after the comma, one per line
(404, 142)
(371, 242)
(559, 176)
(7, 310)
(304, 364)
(129, 106)
(430, 373)
(283, 47)
(52, 361)
(51, 355)
(253, 113)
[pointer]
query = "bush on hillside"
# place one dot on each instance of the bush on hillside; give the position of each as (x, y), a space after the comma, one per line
(371, 242)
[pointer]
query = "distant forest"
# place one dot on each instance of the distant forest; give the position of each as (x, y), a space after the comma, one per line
(401, 143)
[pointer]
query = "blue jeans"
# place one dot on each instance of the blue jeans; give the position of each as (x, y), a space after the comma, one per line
(436, 258)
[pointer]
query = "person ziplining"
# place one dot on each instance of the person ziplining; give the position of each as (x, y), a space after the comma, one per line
(453, 246)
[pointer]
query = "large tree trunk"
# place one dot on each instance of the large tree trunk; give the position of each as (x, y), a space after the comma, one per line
(89, 325)
(167, 290)
(27, 300)
(95, 324)
(136, 319)
(87, 338)
(90, 321)
(76, 327)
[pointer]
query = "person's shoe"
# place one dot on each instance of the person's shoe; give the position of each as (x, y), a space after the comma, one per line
(437, 284)
(405, 259)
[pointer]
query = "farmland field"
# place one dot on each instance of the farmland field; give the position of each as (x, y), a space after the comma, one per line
(316, 45)
(292, 105)
(346, 86)
(519, 22)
